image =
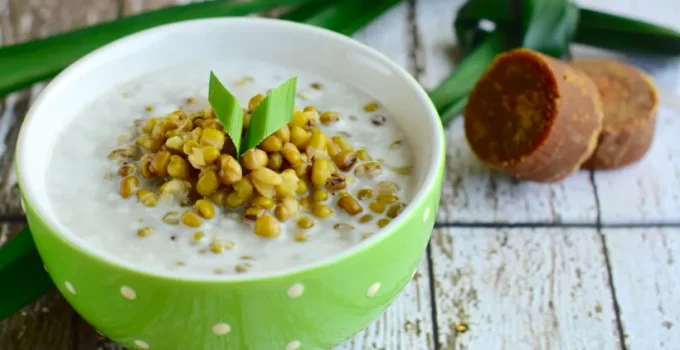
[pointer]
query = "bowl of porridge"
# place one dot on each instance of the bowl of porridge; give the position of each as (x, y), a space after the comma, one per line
(162, 234)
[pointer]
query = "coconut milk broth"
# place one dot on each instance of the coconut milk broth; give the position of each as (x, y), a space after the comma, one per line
(85, 196)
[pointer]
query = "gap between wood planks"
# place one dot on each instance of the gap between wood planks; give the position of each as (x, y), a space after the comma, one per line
(608, 264)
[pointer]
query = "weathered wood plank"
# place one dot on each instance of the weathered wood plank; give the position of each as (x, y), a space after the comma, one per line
(12, 110)
(474, 193)
(45, 324)
(471, 191)
(648, 191)
(646, 275)
(136, 6)
(436, 54)
(8, 230)
(522, 289)
(406, 324)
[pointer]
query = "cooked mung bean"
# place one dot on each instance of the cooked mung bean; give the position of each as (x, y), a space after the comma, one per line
(182, 174)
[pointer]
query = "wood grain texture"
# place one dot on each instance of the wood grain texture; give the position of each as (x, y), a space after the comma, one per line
(648, 191)
(505, 289)
(436, 53)
(474, 193)
(45, 324)
(406, 324)
(646, 272)
(8, 230)
(12, 111)
(471, 191)
(522, 289)
(131, 7)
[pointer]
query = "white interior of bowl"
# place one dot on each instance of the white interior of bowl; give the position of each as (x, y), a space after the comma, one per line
(286, 43)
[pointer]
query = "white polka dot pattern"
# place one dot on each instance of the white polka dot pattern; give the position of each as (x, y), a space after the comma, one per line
(221, 328)
(296, 290)
(141, 344)
(128, 293)
(373, 289)
(294, 345)
(426, 214)
(70, 288)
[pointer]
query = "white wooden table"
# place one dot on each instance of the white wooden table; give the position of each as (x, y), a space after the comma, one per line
(592, 262)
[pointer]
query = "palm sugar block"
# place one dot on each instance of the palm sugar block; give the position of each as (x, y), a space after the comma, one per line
(630, 101)
(533, 116)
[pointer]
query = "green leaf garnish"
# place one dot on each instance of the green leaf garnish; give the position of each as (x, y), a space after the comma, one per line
(275, 111)
(228, 111)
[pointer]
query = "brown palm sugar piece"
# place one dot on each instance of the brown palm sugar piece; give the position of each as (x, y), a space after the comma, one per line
(533, 116)
(630, 101)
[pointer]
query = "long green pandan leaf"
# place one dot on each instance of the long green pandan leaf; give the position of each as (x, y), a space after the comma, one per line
(459, 84)
(543, 25)
(22, 276)
(24, 64)
(592, 27)
(547, 26)
(19, 259)
(469, 19)
(626, 34)
(344, 16)
(454, 109)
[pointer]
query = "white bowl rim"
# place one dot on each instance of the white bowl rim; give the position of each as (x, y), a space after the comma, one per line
(437, 143)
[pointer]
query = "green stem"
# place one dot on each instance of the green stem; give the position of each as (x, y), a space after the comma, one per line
(448, 113)
(621, 33)
(462, 80)
(27, 63)
(594, 28)
(21, 274)
(344, 16)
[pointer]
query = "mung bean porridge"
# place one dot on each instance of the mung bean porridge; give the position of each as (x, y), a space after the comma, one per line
(146, 173)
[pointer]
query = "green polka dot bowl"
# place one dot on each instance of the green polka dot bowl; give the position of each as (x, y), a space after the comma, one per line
(315, 306)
